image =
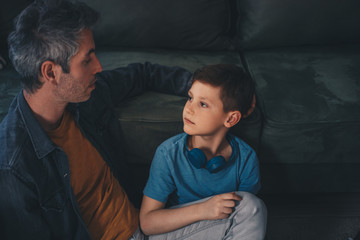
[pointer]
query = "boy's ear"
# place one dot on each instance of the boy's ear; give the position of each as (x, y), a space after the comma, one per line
(232, 119)
(50, 72)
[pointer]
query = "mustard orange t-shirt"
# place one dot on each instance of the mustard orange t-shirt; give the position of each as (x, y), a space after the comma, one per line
(104, 206)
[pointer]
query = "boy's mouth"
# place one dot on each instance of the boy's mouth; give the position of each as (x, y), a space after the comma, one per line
(187, 121)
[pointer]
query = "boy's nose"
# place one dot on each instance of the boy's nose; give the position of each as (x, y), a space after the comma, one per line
(188, 108)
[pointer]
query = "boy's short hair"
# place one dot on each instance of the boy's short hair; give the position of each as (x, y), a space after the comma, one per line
(237, 87)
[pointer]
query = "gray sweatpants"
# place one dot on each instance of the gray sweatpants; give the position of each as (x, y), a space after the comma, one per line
(247, 222)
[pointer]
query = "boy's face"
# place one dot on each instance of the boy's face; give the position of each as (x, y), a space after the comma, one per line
(203, 113)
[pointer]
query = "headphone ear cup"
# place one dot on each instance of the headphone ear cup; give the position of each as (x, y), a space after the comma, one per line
(215, 164)
(197, 158)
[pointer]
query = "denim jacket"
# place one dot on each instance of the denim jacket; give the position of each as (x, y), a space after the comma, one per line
(36, 198)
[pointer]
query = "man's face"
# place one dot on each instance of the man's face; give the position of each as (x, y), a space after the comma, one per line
(77, 85)
(203, 113)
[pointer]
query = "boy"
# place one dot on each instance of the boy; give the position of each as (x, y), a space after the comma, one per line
(206, 161)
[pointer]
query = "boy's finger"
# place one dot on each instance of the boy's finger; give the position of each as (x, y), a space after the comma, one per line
(228, 211)
(231, 196)
(229, 203)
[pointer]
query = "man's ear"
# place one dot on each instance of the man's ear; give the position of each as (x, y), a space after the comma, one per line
(50, 72)
(232, 119)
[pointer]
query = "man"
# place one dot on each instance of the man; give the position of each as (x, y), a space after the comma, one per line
(62, 170)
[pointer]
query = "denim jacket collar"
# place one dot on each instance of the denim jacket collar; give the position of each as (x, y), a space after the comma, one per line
(40, 140)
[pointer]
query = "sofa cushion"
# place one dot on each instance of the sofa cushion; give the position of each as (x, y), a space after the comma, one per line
(186, 24)
(310, 99)
(264, 23)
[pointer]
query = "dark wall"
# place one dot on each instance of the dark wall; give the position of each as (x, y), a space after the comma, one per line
(8, 11)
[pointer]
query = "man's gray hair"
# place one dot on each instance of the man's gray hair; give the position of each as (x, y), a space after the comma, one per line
(47, 30)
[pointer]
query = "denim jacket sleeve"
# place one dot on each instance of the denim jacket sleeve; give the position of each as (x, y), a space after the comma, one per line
(136, 78)
(19, 220)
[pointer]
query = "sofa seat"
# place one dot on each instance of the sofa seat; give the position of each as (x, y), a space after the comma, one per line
(330, 216)
(310, 100)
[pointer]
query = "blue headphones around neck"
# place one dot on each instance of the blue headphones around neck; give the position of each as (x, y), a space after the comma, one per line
(199, 160)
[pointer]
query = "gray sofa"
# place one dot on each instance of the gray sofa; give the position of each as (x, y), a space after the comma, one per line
(305, 59)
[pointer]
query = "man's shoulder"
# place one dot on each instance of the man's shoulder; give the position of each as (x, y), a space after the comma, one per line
(13, 135)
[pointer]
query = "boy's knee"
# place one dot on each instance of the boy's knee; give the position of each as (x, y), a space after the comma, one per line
(249, 218)
(251, 205)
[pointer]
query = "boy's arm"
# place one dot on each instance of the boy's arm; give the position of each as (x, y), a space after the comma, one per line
(250, 174)
(154, 219)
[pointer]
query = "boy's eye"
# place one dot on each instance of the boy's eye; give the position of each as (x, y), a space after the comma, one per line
(189, 98)
(204, 105)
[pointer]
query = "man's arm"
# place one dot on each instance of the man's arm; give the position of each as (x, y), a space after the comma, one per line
(136, 78)
(154, 219)
(20, 216)
(252, 107)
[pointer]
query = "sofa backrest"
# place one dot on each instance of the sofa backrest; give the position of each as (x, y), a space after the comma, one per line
(219, 24)
(277, 23)
(185, 24)
(226, 24)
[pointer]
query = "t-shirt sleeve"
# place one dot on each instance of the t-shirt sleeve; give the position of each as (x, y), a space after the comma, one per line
(160, 183)
(250, 174)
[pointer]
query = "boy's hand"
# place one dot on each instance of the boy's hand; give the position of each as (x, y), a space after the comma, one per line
(219, 206)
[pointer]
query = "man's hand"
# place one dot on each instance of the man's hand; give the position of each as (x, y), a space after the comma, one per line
(252, 107)
(219, 206)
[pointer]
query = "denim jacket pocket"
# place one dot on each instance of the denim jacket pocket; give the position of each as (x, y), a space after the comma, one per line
(55, 201)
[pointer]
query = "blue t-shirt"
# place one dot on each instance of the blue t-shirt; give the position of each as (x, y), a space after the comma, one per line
(174, 180)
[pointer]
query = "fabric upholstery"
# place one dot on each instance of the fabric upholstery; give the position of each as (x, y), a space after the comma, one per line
(310, 101)
(264, 24)
(186, 24)
(309, 97)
